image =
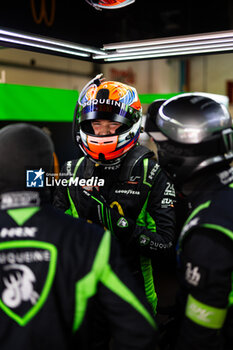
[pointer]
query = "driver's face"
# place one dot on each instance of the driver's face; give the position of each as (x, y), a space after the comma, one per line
(105, 127)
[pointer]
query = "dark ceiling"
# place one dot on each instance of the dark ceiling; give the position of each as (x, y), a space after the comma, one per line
(78, 22)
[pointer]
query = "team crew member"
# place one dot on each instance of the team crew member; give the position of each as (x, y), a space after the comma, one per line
(135, 200)
(53, 266)
(181, 206)
(195, 147)
(166, 272)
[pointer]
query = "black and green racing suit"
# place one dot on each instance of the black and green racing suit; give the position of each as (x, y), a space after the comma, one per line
(135, 201)
(205, 261)
(52, 269)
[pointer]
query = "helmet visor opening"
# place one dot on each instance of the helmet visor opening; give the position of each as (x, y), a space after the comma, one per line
(86, 126)
(109, 110)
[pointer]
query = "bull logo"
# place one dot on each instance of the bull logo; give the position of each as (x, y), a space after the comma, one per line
(19, 287)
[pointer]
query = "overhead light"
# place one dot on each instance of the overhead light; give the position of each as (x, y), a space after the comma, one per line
(176, 45)
(144, 49)
(41, 42)
(166, 54)
(168, 47)
(161, 52)
(46, 47)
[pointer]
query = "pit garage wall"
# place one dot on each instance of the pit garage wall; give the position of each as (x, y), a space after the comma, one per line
(154, 76)
(208, 73)
(31, 68)
(37, 69)
(211, 73)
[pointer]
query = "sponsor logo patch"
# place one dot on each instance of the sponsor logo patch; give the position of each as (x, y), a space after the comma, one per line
(122, 222)
(144, 240)
(27, 270)
(18, 232)
(192, 274)
(170, 190)
(167, 202)
(128, 192)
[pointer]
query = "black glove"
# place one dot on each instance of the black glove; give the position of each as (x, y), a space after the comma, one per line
(99, 211)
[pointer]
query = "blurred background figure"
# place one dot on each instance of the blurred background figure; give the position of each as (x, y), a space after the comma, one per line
(150, 122)
(195, 148)
(165, 273)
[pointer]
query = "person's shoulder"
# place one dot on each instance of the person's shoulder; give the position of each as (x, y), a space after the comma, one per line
(139, 153)
(69, 224)
(69, 166)
(76, 240)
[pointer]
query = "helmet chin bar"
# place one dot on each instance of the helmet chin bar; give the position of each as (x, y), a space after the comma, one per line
(102, 161)
(102, 157)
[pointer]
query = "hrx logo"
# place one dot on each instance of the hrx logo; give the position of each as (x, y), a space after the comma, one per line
(35, 178)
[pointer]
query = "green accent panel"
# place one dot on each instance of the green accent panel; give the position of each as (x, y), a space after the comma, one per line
(102, 209)
(145, 165)
(147, 273)
(69, 212)
(150, 223)
(141, 217)
(33, 103)
(72, 210)
(109, 220)
(145, 169)
(231, 293)
(111, 281)
(144, 219)
(77, 166)
(101, 272)
(205, 315)
(148, 98)
(222, 229)
(231, 185)
(21, 215)
(86, 287)
(196, 211)
(22, 321)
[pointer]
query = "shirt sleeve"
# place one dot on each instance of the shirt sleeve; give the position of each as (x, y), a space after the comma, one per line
(206, 281)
